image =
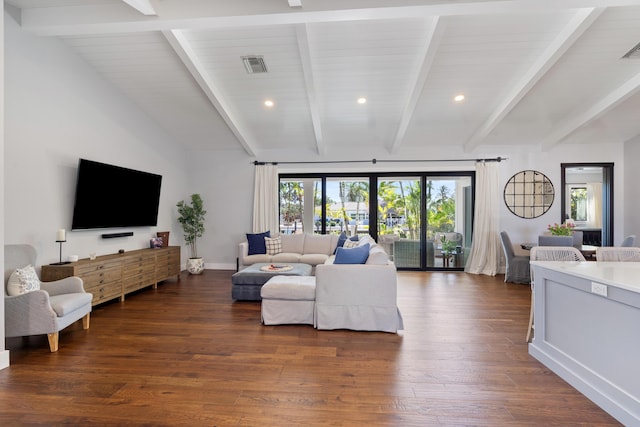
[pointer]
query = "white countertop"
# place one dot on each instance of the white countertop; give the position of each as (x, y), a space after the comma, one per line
(624, 275)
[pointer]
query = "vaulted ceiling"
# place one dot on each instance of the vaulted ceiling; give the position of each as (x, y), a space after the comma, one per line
(540, 72)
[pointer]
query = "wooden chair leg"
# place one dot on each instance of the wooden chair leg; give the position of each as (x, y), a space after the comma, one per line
(530, 319)
(85, 321)
(53, 341)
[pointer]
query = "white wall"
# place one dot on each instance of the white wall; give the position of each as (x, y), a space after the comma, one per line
(233, 197)
(527, 230)
(59, 110)
(225, 181)
(632, 191)
(4, 354)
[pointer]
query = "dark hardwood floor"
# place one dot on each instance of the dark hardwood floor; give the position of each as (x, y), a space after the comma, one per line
(187, 354)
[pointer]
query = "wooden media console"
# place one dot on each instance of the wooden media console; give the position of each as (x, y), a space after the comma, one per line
(115, 275)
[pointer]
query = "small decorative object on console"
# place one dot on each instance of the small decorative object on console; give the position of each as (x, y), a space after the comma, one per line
(156, 242)
(276, 267)
(164, 235)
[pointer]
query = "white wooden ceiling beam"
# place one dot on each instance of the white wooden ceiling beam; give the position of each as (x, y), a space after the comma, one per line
(428, 53)
(607, 103)
(312, 93)
(179, 43)
(197, 14)
(142, 6)
(582, 20)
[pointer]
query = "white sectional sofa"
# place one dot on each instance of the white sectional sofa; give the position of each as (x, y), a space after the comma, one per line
(347, 296)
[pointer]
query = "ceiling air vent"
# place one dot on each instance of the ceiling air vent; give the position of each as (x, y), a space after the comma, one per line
(254, 64)
(634, 52)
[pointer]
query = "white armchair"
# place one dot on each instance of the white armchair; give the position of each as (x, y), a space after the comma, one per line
(55, 306)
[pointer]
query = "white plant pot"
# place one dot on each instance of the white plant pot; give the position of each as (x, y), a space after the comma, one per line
(195, 265)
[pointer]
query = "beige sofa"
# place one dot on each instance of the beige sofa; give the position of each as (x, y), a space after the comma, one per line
(310, 249)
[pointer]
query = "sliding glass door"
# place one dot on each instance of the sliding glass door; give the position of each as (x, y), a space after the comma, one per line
(423, 220)
(348, 205)
(449, 219)
(400, 219)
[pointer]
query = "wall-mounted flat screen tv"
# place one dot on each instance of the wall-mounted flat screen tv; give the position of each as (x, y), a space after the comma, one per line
(109, 196)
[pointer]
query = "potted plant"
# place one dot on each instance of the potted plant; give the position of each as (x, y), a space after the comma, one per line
(565, 229)
(192, 220)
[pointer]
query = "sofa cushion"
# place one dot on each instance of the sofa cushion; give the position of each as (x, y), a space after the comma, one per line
(317, 244)
(356, 255)
(68, 303)
(273, 244)
(253, 259)
(292, 243)
(365, 238)
(23, 280)
(256, 242)
(290, 288)
(377, 256)
(286, 257)
(313, 259)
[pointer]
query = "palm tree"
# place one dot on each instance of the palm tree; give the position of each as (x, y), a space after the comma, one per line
(358, 192)
(291, 194)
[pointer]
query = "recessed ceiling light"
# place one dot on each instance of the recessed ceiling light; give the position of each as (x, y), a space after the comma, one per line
(458, 98)
(362, 100)
(268, 103)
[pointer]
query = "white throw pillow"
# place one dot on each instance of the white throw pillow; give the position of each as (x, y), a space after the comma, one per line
(23, 280)
(273, 244)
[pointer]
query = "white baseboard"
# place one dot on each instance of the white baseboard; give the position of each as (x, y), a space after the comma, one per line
(216, 266)
(4, 359)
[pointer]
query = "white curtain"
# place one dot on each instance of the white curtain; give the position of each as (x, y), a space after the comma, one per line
(484, 257)
(594, 204)
(265, 200)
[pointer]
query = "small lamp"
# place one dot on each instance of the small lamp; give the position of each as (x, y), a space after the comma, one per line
(61, 237)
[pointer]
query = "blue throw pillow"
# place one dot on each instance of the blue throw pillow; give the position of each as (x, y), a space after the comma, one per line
(256, 243)
(357, 255)
(341, 239)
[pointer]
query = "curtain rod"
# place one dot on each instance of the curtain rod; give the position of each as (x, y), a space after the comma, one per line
(374, 161)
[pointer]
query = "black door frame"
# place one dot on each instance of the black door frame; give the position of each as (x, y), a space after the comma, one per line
(607, 197)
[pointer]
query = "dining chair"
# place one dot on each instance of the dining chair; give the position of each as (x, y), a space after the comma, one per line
(629, 241)
(549, 253)
(550, 240)
(517, 269)
(618, 253)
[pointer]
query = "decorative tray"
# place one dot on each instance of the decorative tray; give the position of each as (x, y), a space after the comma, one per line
(276, 267)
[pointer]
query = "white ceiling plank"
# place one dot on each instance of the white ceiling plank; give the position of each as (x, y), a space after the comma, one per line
(142, 6)
(428, 52)
(581, 21)
(609, 102)
(307, 69)
(184, 51)
(197, 14)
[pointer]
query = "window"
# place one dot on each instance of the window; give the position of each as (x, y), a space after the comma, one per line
(423, 218)
(578, 204)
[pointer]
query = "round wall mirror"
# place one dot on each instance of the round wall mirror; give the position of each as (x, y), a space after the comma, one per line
(529, 194)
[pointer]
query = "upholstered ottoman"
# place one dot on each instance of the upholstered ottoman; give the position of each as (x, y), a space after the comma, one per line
(288, 300)
(246, 284)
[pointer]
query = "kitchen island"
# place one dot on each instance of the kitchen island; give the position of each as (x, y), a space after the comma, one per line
(587, 330)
